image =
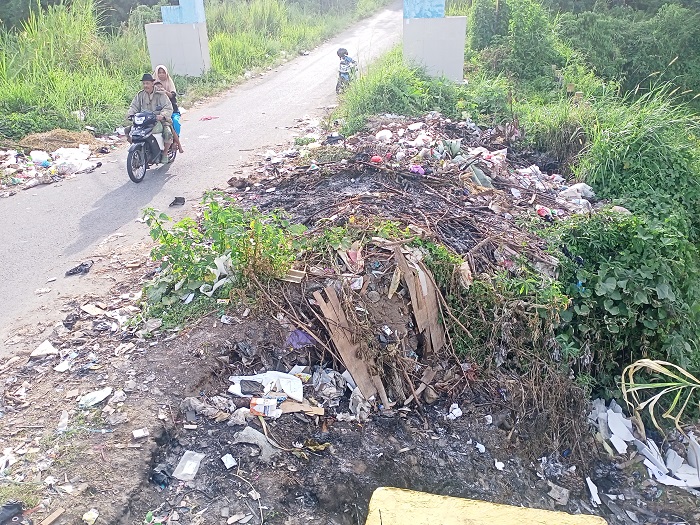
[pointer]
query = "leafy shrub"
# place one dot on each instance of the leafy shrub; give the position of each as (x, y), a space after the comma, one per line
(486, 19)
(634, 295)
(531, 40)
(231, 242)
(632, 46)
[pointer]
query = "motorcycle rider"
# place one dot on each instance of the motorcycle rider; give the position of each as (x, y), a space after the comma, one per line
(148, 99)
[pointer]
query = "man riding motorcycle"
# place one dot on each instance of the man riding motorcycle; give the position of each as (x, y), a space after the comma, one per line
(148, 99)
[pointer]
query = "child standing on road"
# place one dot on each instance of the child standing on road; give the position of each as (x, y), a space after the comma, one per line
(347, 64)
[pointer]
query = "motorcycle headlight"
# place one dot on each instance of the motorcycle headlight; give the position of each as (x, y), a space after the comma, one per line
(139, 120)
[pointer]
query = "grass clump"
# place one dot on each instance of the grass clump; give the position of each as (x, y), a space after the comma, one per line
(645, 152)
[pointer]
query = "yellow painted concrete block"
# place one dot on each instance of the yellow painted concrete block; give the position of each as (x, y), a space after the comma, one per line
(390, 506)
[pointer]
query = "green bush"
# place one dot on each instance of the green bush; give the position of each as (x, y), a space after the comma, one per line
(531, 41)
(243, 244)
(634, 296)
(486, 19)
(636, 47)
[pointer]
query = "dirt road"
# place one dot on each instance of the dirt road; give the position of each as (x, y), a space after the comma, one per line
(47, 230)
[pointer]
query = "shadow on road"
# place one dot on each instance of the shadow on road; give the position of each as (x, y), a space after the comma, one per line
(117, 208)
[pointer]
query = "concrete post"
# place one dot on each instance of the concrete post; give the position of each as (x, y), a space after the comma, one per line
(433, 41)
(181, 42)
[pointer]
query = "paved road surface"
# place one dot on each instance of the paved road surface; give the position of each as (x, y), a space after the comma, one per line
(48, 229)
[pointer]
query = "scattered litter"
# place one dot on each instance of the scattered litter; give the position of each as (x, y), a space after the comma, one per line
(619, 431)
(177, 201)
(229, 461)
(93, 310)
(595, 498)
(90, 517)
(93, 398)
(481, 448)
(140, 433)
(499, 465)
(66, 364)
(359, 406)
(44, 349)
(118, 397)
(188, 466)
(294, 276)
(81, 269)
(299, 339)
(329, 384)
(454, 412)
(265, 406)
(560, 495)
(208, 118)
(253, 437)
(62, 422)
(270, 382)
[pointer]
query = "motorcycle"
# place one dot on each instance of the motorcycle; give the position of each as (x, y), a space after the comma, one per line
(146, 146)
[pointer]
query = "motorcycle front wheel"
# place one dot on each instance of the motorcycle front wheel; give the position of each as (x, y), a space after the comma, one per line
(136, 164)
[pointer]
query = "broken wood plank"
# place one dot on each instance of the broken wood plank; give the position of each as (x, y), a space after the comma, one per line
(294, 276)
(339, 329)
(53, 516)
(425, 380)
(288, 407)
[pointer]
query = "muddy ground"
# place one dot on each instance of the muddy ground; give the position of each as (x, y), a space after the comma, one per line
(333, 486)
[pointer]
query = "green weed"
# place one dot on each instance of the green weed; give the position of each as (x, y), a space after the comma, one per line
(634, 295)
(303, 141)
(229, 248)
(27, 492)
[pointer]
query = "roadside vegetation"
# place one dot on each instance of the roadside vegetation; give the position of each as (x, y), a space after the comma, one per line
(61, 63)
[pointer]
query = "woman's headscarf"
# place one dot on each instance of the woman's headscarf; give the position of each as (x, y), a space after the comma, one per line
(168, 83)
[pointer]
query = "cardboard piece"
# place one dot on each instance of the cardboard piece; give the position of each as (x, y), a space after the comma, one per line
(424, 300)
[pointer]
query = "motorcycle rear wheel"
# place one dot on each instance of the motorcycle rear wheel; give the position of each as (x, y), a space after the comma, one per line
(136, 165)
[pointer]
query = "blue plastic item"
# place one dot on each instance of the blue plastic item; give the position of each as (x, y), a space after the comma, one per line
(176, 123)
(188, 12)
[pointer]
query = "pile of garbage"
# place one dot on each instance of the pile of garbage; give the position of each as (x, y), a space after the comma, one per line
(617, 433)
(449, 181)
(20, 171)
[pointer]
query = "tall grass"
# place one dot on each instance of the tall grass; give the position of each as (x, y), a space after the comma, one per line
(61, 62)
(645, 151)
(390, 86)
